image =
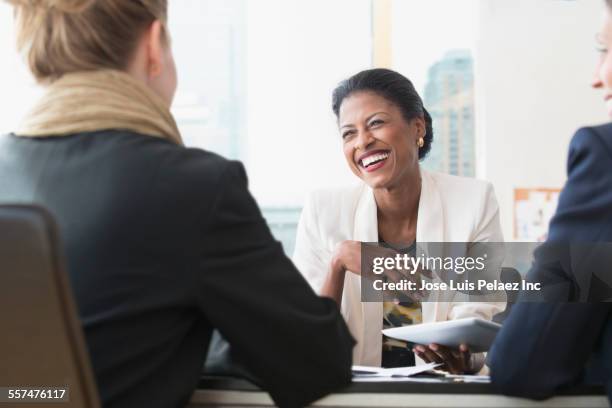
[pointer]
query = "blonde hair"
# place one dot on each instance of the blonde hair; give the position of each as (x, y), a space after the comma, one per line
(62, 36)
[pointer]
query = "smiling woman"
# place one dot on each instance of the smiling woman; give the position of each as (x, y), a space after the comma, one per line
(371, 126)
(386, 131)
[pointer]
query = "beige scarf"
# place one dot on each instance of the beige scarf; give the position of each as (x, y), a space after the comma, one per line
(99, 100)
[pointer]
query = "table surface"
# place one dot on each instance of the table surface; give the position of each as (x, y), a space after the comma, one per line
(445, 387)
(235, 392)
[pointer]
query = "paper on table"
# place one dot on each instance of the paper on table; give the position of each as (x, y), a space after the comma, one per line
(433, 380)
(365, 371)
(371, 379)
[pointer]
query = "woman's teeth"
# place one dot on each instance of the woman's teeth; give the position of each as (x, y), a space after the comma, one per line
(374, 158)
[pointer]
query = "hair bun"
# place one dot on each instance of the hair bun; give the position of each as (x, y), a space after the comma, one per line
(69, 6)
(63, 6)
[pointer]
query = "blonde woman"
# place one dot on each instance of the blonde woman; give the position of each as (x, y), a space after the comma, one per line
(163, 243)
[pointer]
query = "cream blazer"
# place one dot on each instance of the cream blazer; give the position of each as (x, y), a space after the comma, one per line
(451, 209)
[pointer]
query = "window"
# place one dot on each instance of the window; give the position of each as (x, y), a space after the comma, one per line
(441, 69)
(255, 84)
(210, 44)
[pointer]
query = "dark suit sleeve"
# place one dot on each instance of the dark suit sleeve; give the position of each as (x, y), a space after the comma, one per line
(294, 341)
(543, 347)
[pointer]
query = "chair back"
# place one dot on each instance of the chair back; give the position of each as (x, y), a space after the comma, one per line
(41, 344)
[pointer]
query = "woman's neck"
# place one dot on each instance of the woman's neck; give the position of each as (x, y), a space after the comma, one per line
(398, 209)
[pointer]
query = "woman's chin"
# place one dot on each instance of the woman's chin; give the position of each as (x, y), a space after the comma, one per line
(375, 182)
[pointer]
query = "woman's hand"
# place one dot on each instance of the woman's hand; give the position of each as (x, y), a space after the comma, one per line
(455, 361)
(347, 256)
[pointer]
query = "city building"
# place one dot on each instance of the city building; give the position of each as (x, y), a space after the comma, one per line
(449, 98)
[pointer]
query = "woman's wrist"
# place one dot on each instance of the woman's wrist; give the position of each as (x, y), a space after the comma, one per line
(337, 272)
(337, 264)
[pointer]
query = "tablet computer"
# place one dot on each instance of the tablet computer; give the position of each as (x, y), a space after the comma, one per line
(477, 333)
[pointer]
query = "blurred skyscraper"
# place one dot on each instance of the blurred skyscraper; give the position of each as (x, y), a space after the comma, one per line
(449, 98)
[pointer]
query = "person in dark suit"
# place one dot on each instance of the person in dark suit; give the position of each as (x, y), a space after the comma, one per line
(163, 243)
(565, 337)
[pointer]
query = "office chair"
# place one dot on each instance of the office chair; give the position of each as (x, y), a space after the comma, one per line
(41, 342)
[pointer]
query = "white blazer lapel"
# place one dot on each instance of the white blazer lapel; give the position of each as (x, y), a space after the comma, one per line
(430, 228)
(430, 221)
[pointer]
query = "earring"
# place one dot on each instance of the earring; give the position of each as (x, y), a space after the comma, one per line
(421, 142)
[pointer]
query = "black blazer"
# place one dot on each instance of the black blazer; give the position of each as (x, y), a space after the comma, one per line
(163, 244)
(544, 347)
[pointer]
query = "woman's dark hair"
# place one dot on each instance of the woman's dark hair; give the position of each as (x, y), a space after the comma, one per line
(392, 86)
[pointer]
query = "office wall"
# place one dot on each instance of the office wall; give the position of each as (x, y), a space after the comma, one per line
(533, 66)
(297, 52)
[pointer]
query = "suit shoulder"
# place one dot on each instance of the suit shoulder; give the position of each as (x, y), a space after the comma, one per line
(186, 158)
(176, 170)
(590, 147)
(604, 130)
(593, 136)
(184, 163)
